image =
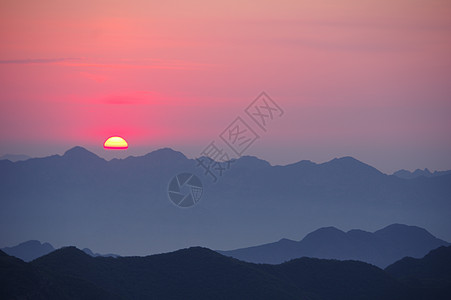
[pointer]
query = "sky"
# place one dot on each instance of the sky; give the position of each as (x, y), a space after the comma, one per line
(362, 78)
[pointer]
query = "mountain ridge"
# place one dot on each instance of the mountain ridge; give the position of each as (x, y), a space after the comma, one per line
(33, 249)
(380, 248)
(14, 157)
(405, 174)
(246, 203)
(429, 276)
(195, 273)
(79, 150)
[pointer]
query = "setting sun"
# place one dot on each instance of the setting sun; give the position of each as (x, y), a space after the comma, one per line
(115, 142)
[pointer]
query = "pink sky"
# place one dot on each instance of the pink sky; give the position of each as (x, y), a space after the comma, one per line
(370, 79)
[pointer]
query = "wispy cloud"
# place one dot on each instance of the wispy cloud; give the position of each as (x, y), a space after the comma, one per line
(38, 60)
(119, 64)
(165, 65)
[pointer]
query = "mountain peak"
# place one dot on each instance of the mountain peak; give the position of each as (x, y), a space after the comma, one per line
(325, 234)
(348, 160)
(29, 250)
(329, 230)
(196, 250)
(71, 253)
(165, 153)
(35, 243)
(252, 161)
(31, 243)
(78, 152)
(348, 163)
(302, 163)
(404, 229)
(193, 253)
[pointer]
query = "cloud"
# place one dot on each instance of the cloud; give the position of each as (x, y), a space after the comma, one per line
(37, 60)
(121, 64)
(164, 65)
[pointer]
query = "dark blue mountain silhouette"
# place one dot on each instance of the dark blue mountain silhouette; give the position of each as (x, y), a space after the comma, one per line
(14, 157)
(380, 248)
(90, 253)
(20, 280)
(429, 277)
(405, 174)
(80, 154)
(165, 154)
(30, 250)
(88, 198)
(194, 273)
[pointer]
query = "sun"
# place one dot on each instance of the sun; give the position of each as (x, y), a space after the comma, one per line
(115, 143)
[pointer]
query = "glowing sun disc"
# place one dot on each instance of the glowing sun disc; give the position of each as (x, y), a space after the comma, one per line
(115, 143)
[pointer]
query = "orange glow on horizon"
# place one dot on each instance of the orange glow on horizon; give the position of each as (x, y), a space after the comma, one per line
(115, 143)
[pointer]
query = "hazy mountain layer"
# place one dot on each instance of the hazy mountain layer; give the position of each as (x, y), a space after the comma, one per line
(122, 206)
(381, 248)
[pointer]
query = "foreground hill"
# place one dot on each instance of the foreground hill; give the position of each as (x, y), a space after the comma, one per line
(428, 276)
(194, 273)
(81, 198)
(380, 248)
(20, 280)
(431, 273)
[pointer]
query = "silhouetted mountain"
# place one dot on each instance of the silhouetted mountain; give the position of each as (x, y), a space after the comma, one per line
(165, 155)
(380, 248)
(20, 280)
(90, 253)
(194, 273)
(17, 278)
(29, 250)
(250, 163)
(87, 198)
(14, 157)
(80, 154)
(430, 276)
(405, 174)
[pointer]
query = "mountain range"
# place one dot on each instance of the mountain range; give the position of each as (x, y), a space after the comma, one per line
(14, 157)
(200, 273)
(30, 250)
(122, 205)
(405, 174)
(381, 248)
